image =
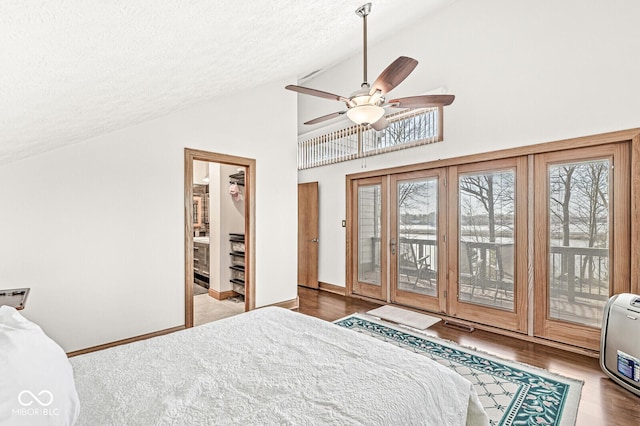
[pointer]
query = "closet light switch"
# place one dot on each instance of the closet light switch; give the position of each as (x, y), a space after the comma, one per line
(344, 223)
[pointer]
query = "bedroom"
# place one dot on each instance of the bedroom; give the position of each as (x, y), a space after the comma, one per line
(88, 231)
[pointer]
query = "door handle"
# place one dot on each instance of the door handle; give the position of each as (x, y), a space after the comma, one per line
(315, 240)
(393, 246)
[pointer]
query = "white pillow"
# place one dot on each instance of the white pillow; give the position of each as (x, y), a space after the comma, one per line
(36, 379)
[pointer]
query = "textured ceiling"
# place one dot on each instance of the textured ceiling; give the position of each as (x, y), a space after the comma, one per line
(71, 70)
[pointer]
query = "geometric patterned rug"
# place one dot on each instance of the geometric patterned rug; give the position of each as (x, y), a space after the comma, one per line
(511, 393)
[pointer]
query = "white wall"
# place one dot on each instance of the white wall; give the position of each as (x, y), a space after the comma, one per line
(215, 249)
(96, 229)
(200, 171)
(522, 72)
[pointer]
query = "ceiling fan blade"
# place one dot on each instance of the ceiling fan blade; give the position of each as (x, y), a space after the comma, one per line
(380, 124)
(326, 117)
(424, 101)
(314, 92)
(393, 75)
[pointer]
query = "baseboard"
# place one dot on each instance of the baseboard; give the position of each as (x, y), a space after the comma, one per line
(466, 325)
(288, 304)
(124, 341)
(332, 288)
(221, 295)
(376, 301)
(515, 335)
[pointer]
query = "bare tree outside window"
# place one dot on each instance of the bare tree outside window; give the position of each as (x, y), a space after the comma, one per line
(417, 231)
(415, 128)
(579, 241)
(486, 247)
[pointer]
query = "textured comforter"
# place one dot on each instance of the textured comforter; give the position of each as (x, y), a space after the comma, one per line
(269, 366)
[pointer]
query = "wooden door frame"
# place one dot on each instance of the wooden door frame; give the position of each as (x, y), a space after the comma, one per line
(190, 155)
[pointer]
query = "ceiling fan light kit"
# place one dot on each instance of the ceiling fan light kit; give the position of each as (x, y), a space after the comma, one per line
(366, 106)
(365, 114)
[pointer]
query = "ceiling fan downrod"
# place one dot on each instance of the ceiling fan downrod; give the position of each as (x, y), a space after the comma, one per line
(362, 12)
(366, 106)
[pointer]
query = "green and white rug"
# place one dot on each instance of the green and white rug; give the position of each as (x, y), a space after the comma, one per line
(511, 393)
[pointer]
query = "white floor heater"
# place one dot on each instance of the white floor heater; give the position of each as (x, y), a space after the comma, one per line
(620, 342)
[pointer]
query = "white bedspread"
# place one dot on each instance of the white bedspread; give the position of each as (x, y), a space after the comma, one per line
(269, 366)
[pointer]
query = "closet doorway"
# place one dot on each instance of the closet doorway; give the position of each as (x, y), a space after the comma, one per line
(219, 202)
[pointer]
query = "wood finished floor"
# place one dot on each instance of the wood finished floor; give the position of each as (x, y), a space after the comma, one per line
(602, 403)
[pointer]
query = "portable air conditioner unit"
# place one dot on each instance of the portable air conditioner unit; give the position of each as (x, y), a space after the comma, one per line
(620, 341)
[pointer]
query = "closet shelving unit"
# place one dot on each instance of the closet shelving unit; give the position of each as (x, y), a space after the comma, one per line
(237, 263)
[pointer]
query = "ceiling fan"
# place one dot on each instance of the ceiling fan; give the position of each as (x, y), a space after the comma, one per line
(367, 105)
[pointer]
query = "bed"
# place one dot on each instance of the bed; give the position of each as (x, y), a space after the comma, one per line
(269, 366)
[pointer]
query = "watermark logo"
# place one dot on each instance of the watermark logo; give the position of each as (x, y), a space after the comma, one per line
(26, 398)
(35, 404)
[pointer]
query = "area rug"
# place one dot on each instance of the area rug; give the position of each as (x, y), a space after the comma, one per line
(511, 393)
(404, 316)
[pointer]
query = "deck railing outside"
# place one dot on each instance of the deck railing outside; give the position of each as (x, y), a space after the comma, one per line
(575, 272)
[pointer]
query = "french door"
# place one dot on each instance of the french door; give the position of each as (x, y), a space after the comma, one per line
(488, 250)
(534, 244)
(455, 241)
(417, 237)
(582, 240)
(398, 235)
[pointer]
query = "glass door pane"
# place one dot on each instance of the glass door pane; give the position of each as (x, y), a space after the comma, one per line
(417, 257)
(417, 224)
(578, 236)
(369, 234)
(486, 238)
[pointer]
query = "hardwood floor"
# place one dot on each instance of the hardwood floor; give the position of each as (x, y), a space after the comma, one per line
(602, 403)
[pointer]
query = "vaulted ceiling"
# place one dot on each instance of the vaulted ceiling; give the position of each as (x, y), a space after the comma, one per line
(71, 70)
